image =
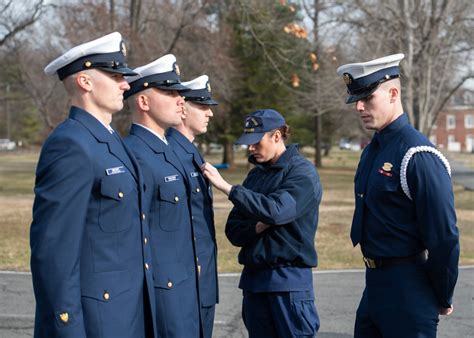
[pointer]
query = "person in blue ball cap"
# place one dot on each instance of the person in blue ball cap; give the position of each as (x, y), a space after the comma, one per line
(274, 221)
(404, 218)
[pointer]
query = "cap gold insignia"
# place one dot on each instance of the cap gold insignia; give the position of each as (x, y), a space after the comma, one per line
(64, 317)
(208, 87)
(176, 67)
(123, 49)
(387, 166)
(87, 64)
(347, 78)
(249, 130)
(254, 121)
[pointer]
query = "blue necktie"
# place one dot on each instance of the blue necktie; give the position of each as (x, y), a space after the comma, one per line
(360, 190)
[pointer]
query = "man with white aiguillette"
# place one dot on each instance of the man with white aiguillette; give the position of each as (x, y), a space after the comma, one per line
(404, 218)
(155, 100)
(197, 112)
(88, 261)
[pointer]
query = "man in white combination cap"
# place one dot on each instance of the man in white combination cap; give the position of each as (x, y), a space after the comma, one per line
(156, 103)
(89, 261)
(404, 218)
(197, 113)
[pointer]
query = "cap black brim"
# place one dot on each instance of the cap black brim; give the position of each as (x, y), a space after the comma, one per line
(250, 138)
(177, 86)
(124, 70)
(209, 102)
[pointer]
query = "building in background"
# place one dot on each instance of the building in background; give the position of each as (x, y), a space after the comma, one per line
(454, 127)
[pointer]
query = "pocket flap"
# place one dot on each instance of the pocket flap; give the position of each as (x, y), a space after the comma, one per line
(114, 188)
(169, 275)
(105, 286)
(169, 195)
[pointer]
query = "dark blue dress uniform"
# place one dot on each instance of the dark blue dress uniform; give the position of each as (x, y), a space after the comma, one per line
(87, 257)
(277, 276)
(395, 226)
(404, 220)
(174, 265)
(202, 218)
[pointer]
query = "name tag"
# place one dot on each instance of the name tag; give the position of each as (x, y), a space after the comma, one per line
(171, 178)
(115, 171)
(194, 174)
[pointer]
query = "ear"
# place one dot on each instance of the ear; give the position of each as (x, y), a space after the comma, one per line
(142, 102)
(84, 81)
(277, 136)
(393, 93)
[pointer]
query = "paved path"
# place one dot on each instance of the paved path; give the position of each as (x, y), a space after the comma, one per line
(337, 296)
(461, 174)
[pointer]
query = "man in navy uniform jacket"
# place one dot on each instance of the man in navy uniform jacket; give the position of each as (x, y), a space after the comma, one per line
(274, 221)
(156, 103)
(89, 260)
(197, 112)
(404, 218)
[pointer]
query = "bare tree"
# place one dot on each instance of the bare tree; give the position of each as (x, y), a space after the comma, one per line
(16, 16)
(436, 38)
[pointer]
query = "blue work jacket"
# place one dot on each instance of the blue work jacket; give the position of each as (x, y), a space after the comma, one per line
(286, 195)
(87, 254)
(395, 225)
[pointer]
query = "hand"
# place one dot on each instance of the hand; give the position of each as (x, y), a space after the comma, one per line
(261, 227)
(211, 173)
(446, 311)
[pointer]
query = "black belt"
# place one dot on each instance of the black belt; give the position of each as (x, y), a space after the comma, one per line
(377, 263)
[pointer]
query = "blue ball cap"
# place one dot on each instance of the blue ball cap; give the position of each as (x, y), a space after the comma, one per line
(363, 78)
(258, 123)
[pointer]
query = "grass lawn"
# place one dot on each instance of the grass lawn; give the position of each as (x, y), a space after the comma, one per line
(333, 244)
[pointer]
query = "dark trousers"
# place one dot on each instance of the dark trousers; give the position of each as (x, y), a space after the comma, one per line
(280, 314)
(398, 301)
(207, 320)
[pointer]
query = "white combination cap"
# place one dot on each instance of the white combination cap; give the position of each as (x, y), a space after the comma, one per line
(199, 91)
(163, 73)
(363, 78)
(106, 53)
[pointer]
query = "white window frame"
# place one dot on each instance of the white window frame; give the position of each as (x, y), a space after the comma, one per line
(469, 121)
(452, 118)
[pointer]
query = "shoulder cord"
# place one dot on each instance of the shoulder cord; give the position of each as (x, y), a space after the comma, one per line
(409, 154)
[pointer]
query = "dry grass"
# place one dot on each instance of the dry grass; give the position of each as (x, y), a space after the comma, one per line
(332, 241)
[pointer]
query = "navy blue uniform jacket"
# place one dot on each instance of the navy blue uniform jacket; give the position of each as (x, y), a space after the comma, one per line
(87, 257)
(200, 199)
(174, 266)
(287, 196)
(394, 225)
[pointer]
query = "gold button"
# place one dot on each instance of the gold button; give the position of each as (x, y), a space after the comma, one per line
(198, 190)
(120, 194)
(145, 84)
(195, 238)
(64, 317)
(170, 284)
(88, 64)
(199, 270)
(106, 295)
(145, 240)
(176, 199)
(143, 216)
(146, 266)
